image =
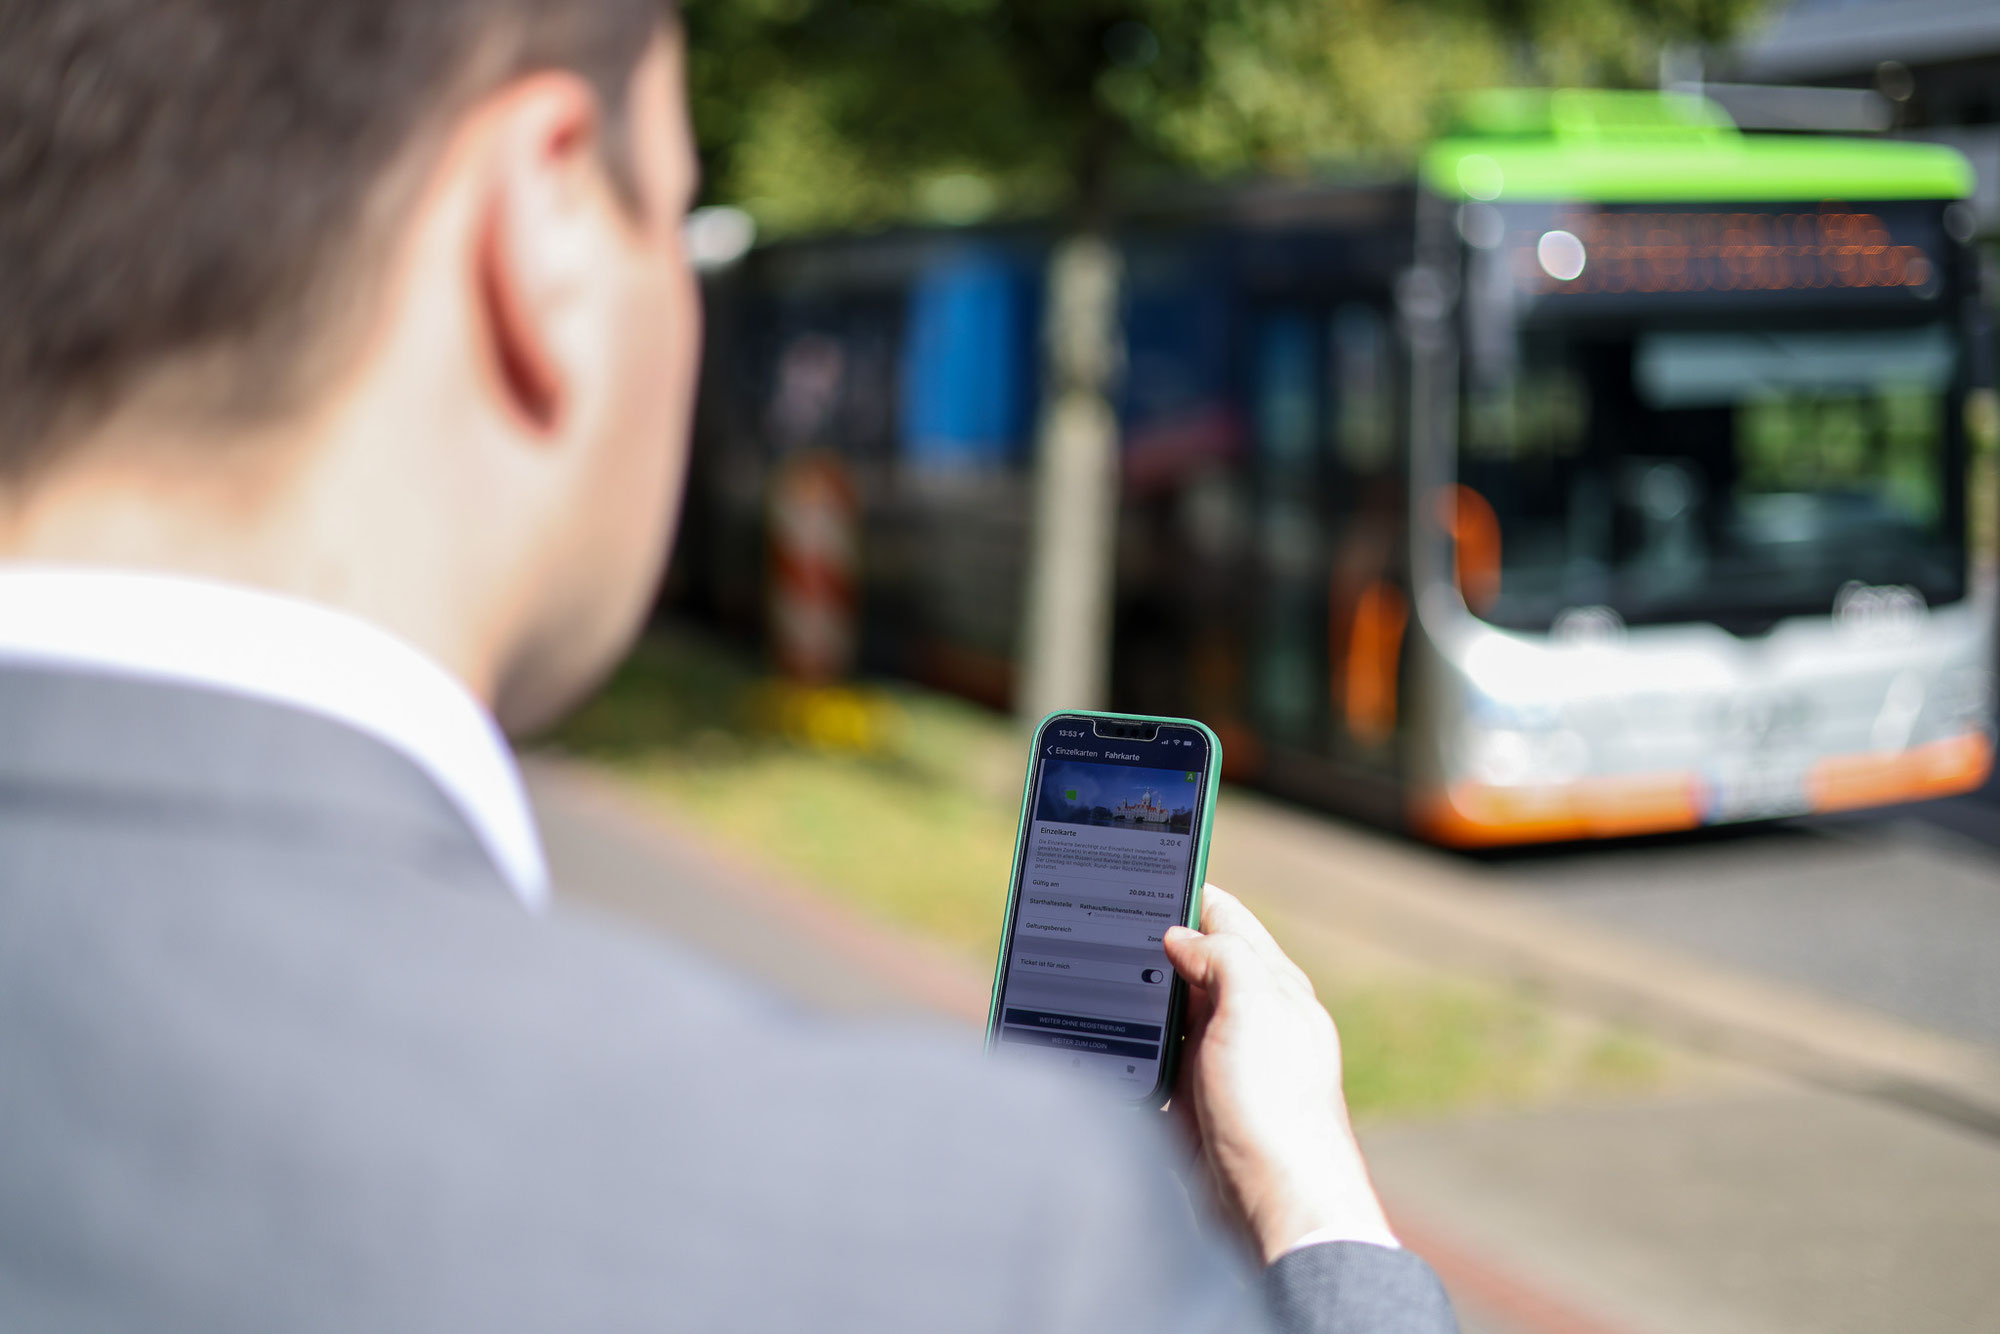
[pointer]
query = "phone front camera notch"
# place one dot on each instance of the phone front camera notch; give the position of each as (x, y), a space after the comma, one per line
(1109, 729)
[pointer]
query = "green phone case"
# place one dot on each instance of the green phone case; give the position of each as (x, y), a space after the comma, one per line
(1170, 1050)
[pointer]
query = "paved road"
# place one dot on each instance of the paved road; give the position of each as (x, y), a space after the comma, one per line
(1895, 910)
(1764, 1209)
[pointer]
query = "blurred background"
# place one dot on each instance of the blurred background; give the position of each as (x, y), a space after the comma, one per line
(1553, 444)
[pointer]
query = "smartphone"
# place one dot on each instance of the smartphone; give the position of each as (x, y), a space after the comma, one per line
(1112, 850)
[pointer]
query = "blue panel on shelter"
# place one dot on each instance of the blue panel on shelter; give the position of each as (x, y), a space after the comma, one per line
(968, 363)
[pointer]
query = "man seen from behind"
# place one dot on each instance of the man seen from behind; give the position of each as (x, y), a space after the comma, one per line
(347, 352)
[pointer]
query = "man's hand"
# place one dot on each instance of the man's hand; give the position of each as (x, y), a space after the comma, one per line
(1260, 1075)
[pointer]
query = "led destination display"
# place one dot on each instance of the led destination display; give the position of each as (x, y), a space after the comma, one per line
(1602, 252)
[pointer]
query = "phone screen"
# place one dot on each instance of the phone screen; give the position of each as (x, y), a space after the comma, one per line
(1106, 868)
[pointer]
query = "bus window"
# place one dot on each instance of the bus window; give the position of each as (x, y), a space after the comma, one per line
(1732, 473)
(1817, 414)
(1688, 432)
(1364, 392)
(1331, 610)
(1286, 413)
(1366, 609)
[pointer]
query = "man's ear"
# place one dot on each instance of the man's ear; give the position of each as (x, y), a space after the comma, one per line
(540, 234)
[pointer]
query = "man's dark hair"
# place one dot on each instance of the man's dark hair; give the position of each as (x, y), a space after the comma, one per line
(190, 182)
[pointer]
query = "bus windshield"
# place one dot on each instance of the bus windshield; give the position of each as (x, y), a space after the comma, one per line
(1737, 471)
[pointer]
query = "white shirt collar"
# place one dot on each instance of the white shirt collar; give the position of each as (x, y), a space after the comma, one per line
(269, 647)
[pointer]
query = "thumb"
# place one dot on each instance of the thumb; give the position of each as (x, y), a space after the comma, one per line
(1211, 962)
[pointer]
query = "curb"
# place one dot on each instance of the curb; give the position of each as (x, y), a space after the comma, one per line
(1421, 902)
(1493, 1291)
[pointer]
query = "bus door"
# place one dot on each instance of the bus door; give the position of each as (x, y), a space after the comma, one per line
(1330, 610)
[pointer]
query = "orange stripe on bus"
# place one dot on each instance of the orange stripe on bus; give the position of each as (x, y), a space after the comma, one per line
(1374, 649)
(1472, 814)
(1935, 769)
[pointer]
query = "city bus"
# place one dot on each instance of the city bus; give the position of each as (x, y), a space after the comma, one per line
(1615, 473)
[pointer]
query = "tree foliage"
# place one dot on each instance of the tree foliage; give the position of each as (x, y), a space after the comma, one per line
(816, 113)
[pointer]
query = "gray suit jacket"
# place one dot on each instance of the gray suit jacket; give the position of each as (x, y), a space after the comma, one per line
(278, 1051)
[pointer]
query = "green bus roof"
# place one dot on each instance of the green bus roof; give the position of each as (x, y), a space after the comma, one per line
(1626, 147)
